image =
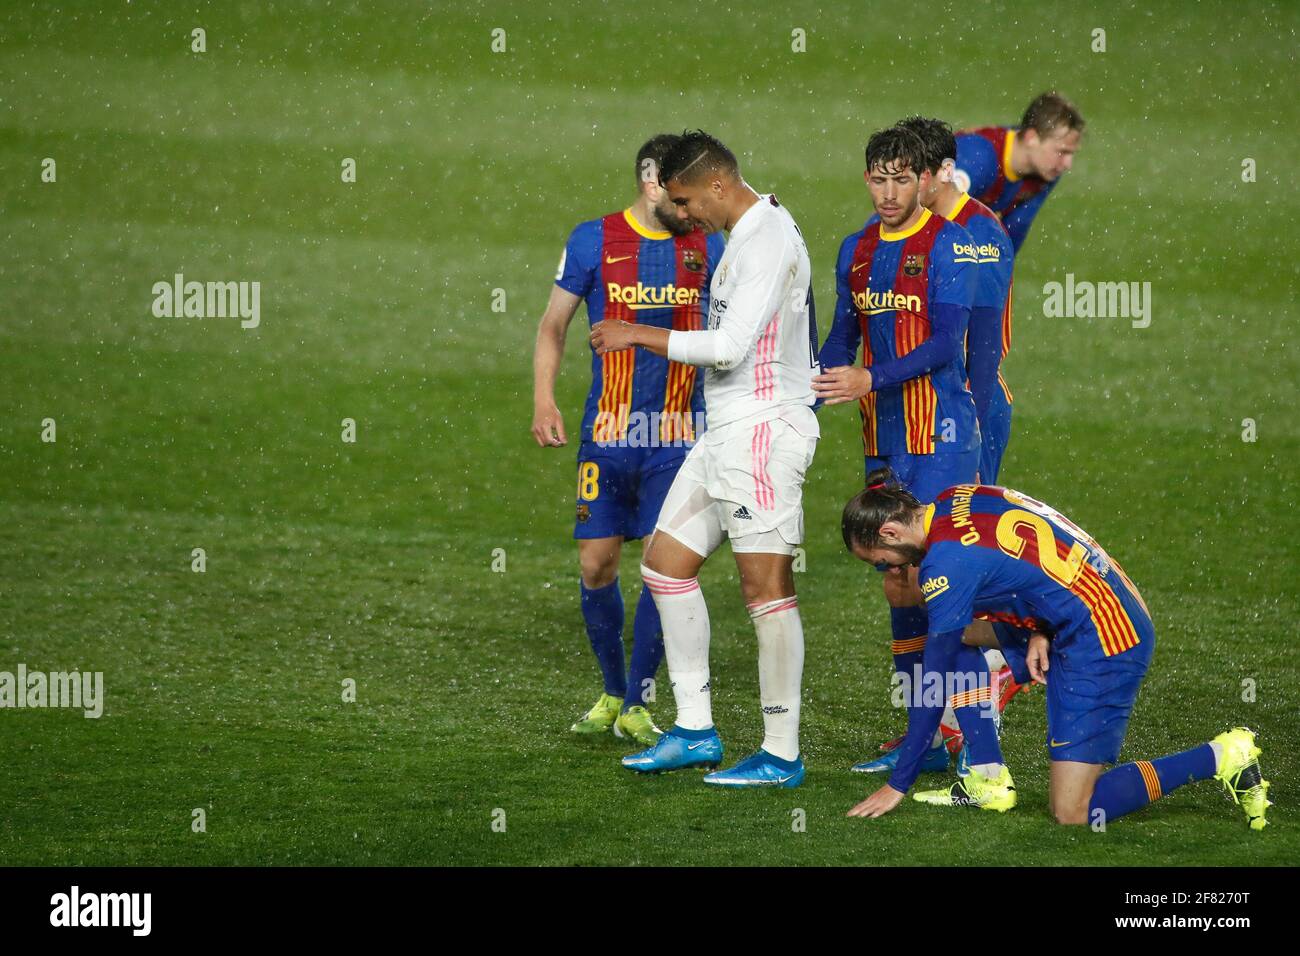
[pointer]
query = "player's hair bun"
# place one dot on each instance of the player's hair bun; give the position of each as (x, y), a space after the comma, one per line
(883, 499)
(879, 478)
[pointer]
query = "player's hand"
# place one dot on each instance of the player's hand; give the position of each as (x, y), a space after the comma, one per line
(844, 383)
(548, 426)
(1036, 658)
(612, 335)
(879, 803)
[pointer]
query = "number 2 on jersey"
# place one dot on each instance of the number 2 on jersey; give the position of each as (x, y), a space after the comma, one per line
(1064, 571)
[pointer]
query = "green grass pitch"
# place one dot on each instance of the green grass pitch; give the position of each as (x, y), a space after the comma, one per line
(372, 561)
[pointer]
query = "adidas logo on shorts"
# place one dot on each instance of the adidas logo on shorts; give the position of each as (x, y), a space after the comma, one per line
(742, 512)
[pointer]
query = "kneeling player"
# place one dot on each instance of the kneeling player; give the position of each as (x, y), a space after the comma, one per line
(987, 549)
(906, 283)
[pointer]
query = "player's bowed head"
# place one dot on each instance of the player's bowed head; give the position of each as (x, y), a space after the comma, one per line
(1049, 136)
(883, 524)
(703, 181)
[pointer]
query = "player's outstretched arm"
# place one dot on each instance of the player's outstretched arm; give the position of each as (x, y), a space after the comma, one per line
(923, 718)
(841, 345)
(765, 274)
(614, 335)
(548, 424)
(840, 381)
(948, 324)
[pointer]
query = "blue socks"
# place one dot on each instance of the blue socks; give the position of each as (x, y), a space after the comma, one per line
(647, 651)
(602, 609)
(909, 626)
(1133, 785)
(976, 716)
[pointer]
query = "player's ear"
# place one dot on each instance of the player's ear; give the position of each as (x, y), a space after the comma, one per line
(947, 169)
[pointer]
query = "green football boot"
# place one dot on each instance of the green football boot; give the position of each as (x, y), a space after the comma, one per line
(639, 725)
(601, 717)
(975, 790)
(1240, 776)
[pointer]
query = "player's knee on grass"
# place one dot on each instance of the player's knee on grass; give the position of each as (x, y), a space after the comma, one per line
(1070, 813)
(598, 558)
(1072, 785)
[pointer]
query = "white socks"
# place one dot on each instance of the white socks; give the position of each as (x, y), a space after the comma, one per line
(685, 621)
(780, 671)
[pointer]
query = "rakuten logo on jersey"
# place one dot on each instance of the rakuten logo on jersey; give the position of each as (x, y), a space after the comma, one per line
(642, 296)
(873, 303)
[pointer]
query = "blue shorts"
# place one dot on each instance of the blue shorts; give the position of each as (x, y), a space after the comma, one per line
(1089, 702)
(620, 490)
(927, 475)
(995, 430)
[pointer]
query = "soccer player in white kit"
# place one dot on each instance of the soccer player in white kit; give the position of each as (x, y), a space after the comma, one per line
(743, 480)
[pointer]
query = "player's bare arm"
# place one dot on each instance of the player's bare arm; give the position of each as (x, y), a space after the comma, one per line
(548, 424)
(614, 335)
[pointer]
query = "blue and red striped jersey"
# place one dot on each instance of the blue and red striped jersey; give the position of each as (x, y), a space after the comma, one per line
(626, 271)
(989, 338)
(984, 158)
(892, 289)
(999, 555)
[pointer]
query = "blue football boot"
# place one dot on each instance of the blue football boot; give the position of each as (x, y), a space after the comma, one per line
(760, 770)
(672, 752)
(935, 759)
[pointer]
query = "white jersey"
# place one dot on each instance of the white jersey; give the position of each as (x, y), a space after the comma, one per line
(758, 347)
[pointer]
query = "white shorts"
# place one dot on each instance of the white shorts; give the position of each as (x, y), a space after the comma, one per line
(743, 481)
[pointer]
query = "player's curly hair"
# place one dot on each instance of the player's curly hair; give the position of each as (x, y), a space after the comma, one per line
(940, 142)
(896, 148)
(696, 154)
(883, 499)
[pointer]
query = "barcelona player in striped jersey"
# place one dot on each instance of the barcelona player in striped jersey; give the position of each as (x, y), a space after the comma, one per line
(643, 413)
(988, 338)
(1012, 170)
(993, 551)
(906, 284)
